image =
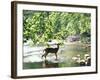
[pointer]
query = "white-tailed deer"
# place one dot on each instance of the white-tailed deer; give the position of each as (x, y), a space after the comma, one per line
(51, 50)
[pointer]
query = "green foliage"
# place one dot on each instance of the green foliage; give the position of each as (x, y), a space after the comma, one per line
(40, 26)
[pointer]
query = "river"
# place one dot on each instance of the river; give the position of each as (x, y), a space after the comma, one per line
(32, 56)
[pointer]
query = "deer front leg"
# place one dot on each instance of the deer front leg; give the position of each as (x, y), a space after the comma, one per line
(56, 56)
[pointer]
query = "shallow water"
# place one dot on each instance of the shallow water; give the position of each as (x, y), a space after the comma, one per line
(65, 55)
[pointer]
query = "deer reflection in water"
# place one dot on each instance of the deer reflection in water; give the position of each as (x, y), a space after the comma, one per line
(47, 64)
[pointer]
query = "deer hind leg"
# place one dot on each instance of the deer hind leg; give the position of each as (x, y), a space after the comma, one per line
(44, 55)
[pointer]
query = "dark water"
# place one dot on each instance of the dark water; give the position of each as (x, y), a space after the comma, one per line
(65, 55)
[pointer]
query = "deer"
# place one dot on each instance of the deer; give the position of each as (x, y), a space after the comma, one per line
(51, 50)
